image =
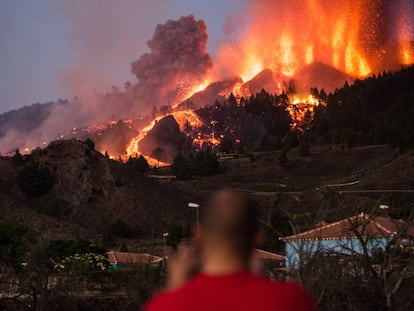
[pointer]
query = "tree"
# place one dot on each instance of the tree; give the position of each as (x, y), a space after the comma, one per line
(139, 164)
(59, 249)
(204, 163)
(232, 100)
(181, 168)
(90, 143)
(226, 145)
(83, 264)
(18, 158)
(362, 270)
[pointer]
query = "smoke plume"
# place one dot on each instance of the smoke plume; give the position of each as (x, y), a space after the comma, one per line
(178, 58)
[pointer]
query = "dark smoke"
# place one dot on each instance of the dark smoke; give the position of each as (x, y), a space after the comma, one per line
(178, 57)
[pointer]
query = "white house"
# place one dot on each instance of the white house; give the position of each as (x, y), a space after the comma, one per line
(356, 235)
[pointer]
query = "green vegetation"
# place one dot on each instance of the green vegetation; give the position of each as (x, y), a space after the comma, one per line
(83, 264)
(59, 249)
(35, 180)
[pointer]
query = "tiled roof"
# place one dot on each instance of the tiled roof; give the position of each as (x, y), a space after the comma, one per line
(269, 256)
(132, 258)
(362, 224)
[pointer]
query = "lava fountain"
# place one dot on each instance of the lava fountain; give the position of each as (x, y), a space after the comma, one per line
(354, 36)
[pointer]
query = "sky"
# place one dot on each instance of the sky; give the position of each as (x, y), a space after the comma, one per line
(50, 49)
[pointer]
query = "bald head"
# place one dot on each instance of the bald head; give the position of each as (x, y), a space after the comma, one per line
(230, 219)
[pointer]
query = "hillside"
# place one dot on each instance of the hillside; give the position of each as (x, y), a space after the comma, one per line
(377, 110)
(90, 192)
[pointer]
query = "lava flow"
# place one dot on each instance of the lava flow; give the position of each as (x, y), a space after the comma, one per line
(284, 46)
(186, 119)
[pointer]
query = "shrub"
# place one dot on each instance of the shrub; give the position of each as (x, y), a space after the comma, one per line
(59, 249)
(181, 168)
(139, 164)
(204, 163)
(83, 263)
(11, 244)
(17, 158)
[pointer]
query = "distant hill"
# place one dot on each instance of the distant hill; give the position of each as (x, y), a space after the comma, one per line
(321, 76)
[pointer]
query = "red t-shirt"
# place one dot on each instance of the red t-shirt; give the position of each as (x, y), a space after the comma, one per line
(240, 291)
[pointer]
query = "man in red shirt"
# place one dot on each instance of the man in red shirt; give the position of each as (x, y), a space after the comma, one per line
(227, 236)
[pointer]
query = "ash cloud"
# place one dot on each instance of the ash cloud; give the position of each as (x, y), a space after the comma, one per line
(178, 57)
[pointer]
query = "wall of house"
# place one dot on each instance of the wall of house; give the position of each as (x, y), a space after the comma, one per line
(300, 250)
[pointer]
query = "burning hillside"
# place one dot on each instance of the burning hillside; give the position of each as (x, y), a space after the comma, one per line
(284, 47)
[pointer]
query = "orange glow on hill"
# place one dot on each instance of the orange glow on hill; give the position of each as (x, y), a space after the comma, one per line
(302, 107)
(184, 119)
(286, 36)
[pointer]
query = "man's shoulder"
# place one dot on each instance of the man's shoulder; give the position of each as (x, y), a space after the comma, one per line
(249, 290)
(170, 299)
(282, 294)
(161, 301)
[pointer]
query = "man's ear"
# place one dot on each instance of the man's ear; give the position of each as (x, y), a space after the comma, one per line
(259, 238)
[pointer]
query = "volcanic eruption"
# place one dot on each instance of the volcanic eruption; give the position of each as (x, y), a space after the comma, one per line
(313, 43)
(356, 37)
(284, 47)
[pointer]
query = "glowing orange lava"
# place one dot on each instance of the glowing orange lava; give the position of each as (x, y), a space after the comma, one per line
(405, 35)
(285, 36)
(300, 108)
(184, 118)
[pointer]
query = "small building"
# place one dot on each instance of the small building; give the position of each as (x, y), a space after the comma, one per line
(355, 235)
(269, 257)
(129, 261)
